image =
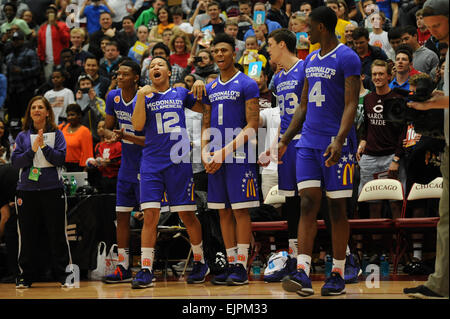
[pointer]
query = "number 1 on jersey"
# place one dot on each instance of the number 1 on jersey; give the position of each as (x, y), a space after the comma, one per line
(220, 116)
(315, 95)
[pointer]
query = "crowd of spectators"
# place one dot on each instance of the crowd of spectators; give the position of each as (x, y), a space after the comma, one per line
(69, 52)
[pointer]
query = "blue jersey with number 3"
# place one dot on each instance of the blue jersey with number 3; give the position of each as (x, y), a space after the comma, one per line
(289, 86)
(166, 139)
(326, 94)
(131, 153)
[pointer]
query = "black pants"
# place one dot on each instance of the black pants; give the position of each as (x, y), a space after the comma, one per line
(46, 208)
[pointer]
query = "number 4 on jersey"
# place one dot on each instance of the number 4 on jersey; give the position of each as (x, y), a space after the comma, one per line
(315, 95)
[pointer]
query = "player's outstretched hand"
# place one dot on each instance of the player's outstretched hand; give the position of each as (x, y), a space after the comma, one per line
(335, 150)
(215, 162)
(198, 89)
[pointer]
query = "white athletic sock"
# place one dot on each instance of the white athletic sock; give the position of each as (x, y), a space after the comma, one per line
(232, 255)
(339, 267)
(347, 252)
(242, 254)
(124, 257)
(417, 250)
(197, 250)
(147, 256)
(304, 262)
(293, 247)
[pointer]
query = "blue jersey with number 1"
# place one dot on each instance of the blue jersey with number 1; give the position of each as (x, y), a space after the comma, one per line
(326, 95)
(131, 153)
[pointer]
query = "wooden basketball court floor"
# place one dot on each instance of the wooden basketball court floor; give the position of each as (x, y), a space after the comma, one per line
(391, 288)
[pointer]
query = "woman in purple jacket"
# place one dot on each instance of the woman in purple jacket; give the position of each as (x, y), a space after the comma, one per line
(39, 153)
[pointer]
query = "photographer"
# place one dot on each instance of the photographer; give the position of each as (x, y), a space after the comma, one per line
(92, 107)
(204, 65)
(435, 16)
(381, 146)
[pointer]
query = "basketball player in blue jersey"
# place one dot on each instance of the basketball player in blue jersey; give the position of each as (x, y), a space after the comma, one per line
(119, 107)
(326, 149)
(165, 165)
(288, 86)
(230, 120)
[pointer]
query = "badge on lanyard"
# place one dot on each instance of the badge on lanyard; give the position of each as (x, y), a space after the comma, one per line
(35, 172)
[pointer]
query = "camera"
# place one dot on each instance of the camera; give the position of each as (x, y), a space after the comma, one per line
(197, 59)
(428, 123)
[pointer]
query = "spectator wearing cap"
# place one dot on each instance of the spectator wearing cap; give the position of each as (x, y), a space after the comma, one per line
(10, 11)
(23, 67)
(21, 8)
(92, 12)
(424, 60)
(53, 36)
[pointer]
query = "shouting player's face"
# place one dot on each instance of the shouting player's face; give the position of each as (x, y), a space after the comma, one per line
(223, 55)
(125, 77)
(159, 72)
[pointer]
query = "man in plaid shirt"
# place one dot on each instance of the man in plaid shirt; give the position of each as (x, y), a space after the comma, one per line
(23, 69)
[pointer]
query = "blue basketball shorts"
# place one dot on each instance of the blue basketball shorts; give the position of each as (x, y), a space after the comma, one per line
(174, 185)
(287, 180)
(233, 186)
(127, 196)
(312, 172)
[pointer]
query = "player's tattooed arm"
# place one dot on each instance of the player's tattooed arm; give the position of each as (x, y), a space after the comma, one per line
(352, 86)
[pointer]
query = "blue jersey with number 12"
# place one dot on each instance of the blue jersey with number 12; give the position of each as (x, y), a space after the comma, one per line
(131, 153)
(166, 139)
(326, 95)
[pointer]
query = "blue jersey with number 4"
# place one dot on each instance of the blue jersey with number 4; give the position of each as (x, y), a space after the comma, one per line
(289, 86)
(166, 139)
(131, 153)
(228, 106)
(326, 94)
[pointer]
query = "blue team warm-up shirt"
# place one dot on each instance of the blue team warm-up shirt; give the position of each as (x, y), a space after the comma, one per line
(131, 153)
(289, 86)
(326, 95)
(227, 102)
(166, 139)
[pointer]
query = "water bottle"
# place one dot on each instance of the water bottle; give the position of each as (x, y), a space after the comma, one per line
(365, 262)
(66, 185)
(256, 267)
(328, 265)
(384, 265)
(73, 185)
